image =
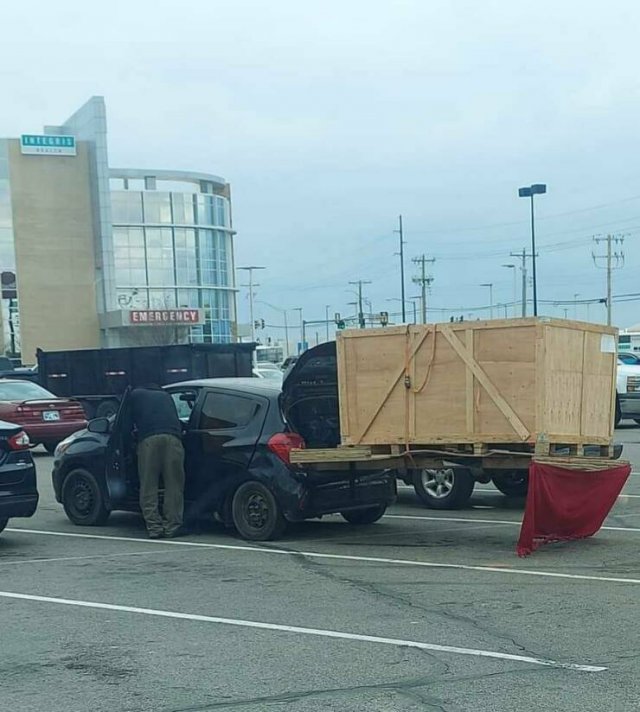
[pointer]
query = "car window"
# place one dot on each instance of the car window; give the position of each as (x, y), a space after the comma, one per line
(221, 411)
(183, 407)
(23, 390)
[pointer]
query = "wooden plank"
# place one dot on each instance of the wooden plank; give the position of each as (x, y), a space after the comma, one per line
(343, 387)
(469, 392)
(391, 386)
(482, 378)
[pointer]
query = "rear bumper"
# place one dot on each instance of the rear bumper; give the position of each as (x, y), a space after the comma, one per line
(341, 495)
(53, 432)
(23, 505)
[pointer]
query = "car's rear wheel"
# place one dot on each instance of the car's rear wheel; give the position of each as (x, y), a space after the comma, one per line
(513, 483)
(446, 488)
(3, 523)
(83, 500)
(256, 513)
(368, 515)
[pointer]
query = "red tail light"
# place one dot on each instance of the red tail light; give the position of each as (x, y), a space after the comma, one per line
(19, 441)
(281, 444)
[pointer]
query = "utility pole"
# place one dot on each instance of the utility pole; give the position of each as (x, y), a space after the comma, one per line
(423, 281)
(401, 234)
(359, 283)
(614, 260)
(251, 285)
(523, 256)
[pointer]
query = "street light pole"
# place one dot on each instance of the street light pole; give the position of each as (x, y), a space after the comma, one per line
(326, 316)
(402, 297)
(302, 334)
(490, 285)
(250, 270)
(515, 288)
(529, 192)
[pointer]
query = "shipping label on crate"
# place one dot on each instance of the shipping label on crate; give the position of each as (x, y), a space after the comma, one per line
(607, 344)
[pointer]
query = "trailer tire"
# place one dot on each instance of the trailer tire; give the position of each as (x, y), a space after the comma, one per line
(618, 415)
(512, 483)
(368, 515)
(447, 488)
(107, 408)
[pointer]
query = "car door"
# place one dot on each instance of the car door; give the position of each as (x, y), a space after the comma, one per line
(221, 441)
(121, 473)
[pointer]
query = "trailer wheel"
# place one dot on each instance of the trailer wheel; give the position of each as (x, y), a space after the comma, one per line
(618, 415)
(513, 483)
(447, 488)
(368, 515)
(107, 408)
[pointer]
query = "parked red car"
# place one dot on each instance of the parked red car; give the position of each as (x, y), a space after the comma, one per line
(45, 418)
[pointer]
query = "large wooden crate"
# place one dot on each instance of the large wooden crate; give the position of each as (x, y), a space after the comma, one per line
(499, 381)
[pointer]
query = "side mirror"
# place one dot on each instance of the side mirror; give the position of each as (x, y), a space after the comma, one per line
(99, 425)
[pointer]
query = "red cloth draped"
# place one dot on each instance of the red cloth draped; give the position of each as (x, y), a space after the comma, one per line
(564, 504)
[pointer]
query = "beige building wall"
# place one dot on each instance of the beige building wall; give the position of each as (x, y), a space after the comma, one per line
(55, 262)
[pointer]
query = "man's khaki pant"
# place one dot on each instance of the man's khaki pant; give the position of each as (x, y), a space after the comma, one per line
(161, 456)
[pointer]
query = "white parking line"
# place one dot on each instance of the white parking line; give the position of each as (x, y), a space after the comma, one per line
(340, 557)
(475, 520)
(306, 631)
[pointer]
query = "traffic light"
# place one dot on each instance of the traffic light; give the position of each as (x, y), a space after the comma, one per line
(340, 324)
(384, 318)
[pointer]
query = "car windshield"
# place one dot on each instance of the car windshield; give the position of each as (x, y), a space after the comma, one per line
(23, 390)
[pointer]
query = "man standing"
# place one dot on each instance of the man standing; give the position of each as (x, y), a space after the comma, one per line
(160, 455)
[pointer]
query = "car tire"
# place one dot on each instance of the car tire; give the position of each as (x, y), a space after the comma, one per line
(256, 513)
(447, 488)
(107, 408)
(512, 483)
(3, 523)
(51, 447)
(83, 499)
(368, 515)
(618, 416)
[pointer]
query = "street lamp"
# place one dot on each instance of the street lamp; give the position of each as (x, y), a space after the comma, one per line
(529, 192)
(326, 316)
(490, 285)
(515, 288)
(250, 270)
(286, 325)
(302, 334)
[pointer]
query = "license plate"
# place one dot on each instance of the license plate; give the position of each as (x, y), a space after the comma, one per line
(51, 415)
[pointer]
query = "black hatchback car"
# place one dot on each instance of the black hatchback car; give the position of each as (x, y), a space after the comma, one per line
(237, 448)
(18, 490)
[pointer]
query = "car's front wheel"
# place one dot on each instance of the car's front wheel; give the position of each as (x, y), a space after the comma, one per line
(256, 513)
(3, 523)
(83, 500)
(368, 515)
(446, 488)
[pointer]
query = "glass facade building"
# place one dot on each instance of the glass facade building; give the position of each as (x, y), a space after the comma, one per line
(173, 249)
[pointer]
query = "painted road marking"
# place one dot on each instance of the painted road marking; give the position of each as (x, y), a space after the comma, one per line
(474, 520)
(306, 631)
(339, 557)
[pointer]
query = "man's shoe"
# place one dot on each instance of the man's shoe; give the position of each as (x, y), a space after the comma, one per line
(156, 535)
(172, 534)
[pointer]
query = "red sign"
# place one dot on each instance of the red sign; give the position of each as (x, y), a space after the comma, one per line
(165, 316)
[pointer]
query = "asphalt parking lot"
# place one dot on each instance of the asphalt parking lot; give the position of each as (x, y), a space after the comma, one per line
(423, 610)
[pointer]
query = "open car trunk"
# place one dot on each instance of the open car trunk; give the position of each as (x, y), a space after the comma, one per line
(309, 398)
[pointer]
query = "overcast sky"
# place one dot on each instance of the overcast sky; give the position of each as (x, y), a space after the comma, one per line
(329, 119)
